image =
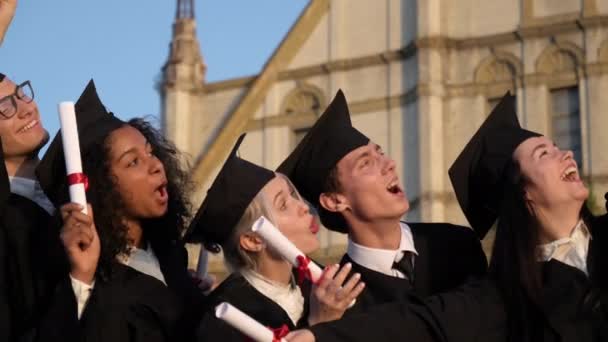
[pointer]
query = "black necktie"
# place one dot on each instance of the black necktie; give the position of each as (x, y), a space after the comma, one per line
(406, 265)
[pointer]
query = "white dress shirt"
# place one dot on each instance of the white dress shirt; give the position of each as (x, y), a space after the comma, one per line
(142, 260)
(82, 292)
(288, 296)
(570, 250)
(381, 260)
(31, 190)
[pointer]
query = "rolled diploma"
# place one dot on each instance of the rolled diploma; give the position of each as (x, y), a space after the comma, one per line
(201, 267)
(243, 323)
(71, 151)
(286, 248)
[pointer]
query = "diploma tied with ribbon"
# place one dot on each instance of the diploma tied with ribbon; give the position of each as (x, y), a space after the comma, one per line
(306, 268)
(77, 181)
(249, 326)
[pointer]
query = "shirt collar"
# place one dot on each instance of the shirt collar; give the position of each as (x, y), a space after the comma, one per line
(577, 242)
(30, 189)
(381, 260)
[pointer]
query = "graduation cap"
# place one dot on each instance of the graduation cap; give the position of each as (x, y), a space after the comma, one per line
(94, 122)
(236, 185)
(329, 140)
(479, 173)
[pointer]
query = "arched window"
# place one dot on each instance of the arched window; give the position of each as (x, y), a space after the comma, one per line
(563, 61)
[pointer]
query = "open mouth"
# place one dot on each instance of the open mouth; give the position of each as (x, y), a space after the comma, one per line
(161, 192)
(394, 187)
(29, 126)
(570, 174)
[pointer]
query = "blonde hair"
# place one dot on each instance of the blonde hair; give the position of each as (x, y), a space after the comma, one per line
(237, 258)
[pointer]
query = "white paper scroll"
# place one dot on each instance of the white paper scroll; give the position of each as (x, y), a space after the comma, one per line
(201, 267)
(286, 248)
(244, 323)
(71, 151)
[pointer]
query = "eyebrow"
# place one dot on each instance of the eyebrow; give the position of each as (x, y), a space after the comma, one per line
(537, 148)
(361, 156)
(277, 196)
(132, 150)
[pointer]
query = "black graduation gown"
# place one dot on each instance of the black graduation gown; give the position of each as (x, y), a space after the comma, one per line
(130, 305)
(238, 292)
(447, 256)
(31, 263)
(574, 306)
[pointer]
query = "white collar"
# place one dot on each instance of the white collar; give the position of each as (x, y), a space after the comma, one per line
(145, 261)
(381, 260)
(30, 189)
(288, 297)
(571, 250)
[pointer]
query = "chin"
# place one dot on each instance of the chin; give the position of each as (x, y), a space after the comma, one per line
(158, 212)
(582, 195)
(310, 247)
(402, 208)
(39, 142)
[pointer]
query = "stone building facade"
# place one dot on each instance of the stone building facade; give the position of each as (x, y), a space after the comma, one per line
(420, 77)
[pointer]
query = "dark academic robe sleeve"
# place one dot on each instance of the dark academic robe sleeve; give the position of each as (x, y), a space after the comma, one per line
(130, 306)
(173, 259)
(473, 312)
(5, 312)
(236, 291)
(32, 261)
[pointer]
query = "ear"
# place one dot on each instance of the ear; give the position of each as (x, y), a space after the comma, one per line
(251, 242)
(529, 201)
(333, 202)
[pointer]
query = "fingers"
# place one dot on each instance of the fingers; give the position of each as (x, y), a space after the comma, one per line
(328, 275)
(342, 274)
(77, 237)
(78, 229)
(68, 208)
(334, 291)
(349, 299)
(351, 283)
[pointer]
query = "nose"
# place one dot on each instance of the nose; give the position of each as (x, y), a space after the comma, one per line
(303, 208)
(568, 154)
(156, 166)
(24, 109)
(388, 164)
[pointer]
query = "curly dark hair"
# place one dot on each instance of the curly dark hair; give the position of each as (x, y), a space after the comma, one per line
(109, 207)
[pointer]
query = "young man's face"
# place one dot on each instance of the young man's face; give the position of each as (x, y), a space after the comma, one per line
(369, 185)
(21, 130)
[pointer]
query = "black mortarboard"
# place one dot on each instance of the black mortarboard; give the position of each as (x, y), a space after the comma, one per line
(235, 186)
(329, 140)
(94, 122)
(479, 173)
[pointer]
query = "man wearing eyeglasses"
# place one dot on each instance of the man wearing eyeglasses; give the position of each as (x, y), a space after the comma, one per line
(31, 256)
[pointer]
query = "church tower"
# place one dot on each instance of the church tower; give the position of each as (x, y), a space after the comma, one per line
(183, 78)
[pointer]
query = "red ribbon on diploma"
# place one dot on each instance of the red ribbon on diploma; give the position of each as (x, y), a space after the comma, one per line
(280, 333)
(302, 269)
(78, 178)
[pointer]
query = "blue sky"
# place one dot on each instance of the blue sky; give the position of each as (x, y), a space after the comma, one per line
(60, 45)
